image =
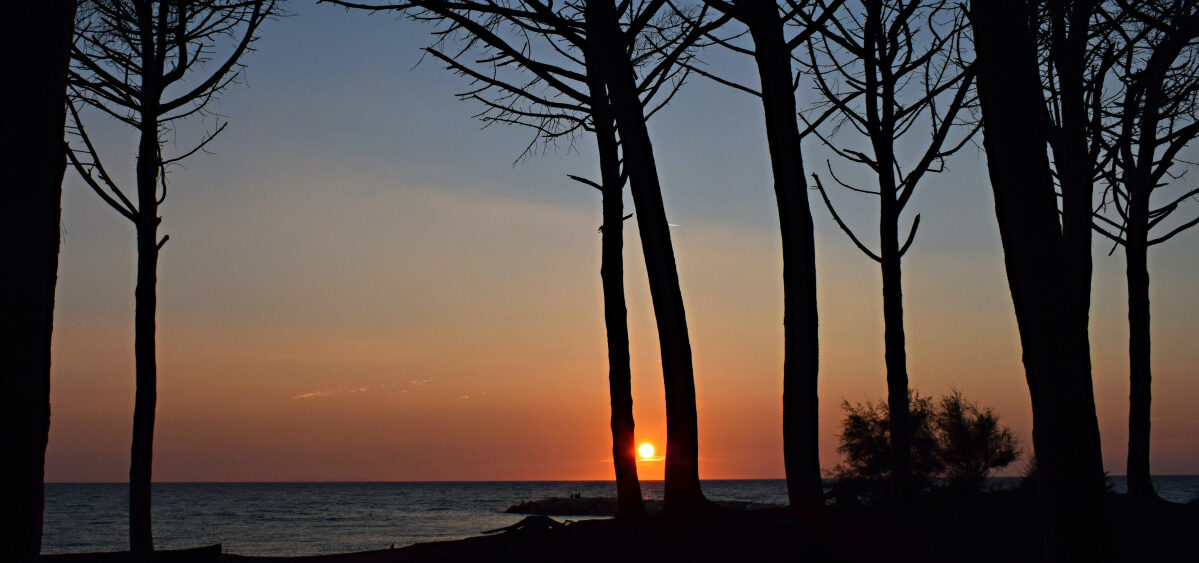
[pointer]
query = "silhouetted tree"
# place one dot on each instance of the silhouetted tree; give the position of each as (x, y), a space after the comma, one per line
(574, 86)
(970, 442)
(1150, 119)
(624, 458)
(610, 49)
(777, 30)
(953, 442)
(1048, 261)
(148, 65)
(39, 40)
(883, 69)
(866, 442)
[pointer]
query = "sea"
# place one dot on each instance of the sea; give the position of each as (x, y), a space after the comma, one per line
(318, 518)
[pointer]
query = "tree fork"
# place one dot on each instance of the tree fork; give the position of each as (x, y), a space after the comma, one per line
(682, 489)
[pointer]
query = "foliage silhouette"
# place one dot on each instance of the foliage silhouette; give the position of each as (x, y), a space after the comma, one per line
(970, 442)
(865, 441)
(954, 445)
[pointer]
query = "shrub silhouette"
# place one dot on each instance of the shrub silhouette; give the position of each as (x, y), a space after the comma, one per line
(970, 442)
(955, 444)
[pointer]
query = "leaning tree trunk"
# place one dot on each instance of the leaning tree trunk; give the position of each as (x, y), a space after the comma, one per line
(145, 364)
(1043, 280)
(1078, 467)
(34, 158)
(629, 503)
(801, 345)
(1139, 374)
(682, 490)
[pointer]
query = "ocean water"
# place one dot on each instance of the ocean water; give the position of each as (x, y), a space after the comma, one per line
(314, 518)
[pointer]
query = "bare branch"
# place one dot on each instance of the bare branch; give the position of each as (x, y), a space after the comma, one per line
(845, 228)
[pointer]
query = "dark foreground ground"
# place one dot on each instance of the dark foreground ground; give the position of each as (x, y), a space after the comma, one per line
(991, 527)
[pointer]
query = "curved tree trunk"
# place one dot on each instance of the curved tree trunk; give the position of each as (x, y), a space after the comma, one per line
(33, 155)
(1140, 378)
(145, 363)
(801, 344)
(682, 490)
(1045, 275)
(629, 503)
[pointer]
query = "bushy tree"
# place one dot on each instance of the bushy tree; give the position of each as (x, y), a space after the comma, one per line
(954, 443)
(970, 442)
(865, 441)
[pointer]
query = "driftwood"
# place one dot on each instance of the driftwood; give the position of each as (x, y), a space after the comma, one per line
(531, 523)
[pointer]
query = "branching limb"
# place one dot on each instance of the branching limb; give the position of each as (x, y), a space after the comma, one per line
(845, 228)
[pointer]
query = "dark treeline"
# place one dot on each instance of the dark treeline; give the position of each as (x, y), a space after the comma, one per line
(1083, 105)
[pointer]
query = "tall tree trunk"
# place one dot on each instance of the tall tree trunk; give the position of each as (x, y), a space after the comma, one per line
(682, 490)
(1143, 119)
(896, 359)
(879, 89)
(801, 343)
(1043, 278)
(1138, 181)
(1081, 457)
(1140, 378)
(629, 503)
(33, 154)
(145, 363)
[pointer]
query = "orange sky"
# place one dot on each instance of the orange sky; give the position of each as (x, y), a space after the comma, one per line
(359, 286)
(484, 358)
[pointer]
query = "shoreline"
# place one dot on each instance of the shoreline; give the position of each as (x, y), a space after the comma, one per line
(987, 527)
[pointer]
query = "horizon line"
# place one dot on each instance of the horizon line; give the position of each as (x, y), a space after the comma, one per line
(453, 481)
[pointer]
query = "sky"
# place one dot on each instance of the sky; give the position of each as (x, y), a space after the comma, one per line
(362, 283)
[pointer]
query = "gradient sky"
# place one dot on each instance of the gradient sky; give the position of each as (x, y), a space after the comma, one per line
(360, 285)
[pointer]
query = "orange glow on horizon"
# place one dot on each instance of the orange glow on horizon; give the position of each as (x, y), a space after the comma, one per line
(433, 360)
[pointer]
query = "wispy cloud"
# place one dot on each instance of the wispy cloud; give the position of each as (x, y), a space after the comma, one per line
(311, 395)
(356, 390)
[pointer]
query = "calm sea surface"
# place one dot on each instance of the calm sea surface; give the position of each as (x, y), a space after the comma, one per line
(312, 518)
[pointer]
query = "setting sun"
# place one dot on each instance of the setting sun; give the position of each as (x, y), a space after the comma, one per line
(645, 450)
